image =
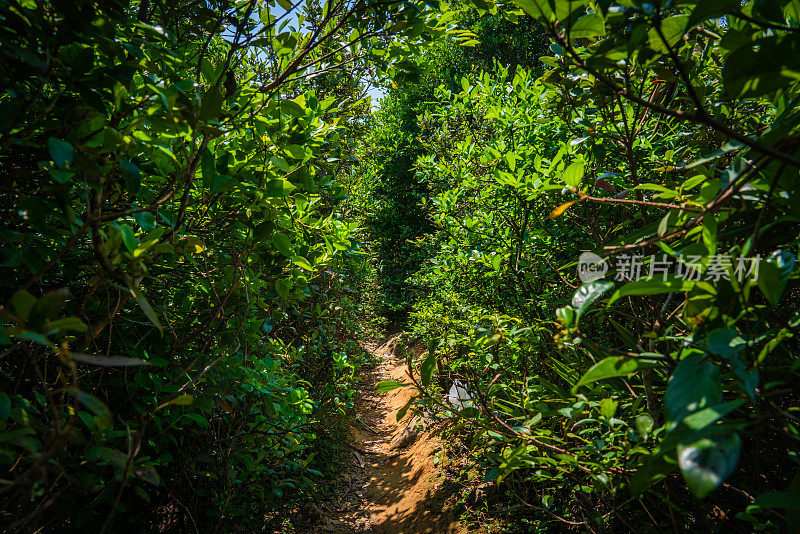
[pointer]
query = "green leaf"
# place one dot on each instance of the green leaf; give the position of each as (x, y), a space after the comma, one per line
(611, 367)
(279, 188)
(491, 474)
(147, 309)
(651, 287)
(693, 386)
(94, 405)
(586, 295)
(672, 30)
(50, 304)
(207, 168)
(197, 418)
(284, 44)
(644, 425)
(698, 425)
(68, 323)
(23, 303)
(626, 336)
(61, 152)
(61, 177)
(709, 233)
(573, 174)
(770, 10)
(300, 201)
(180, 400)
(789, 499)
(590, 25)
(402, 412)
(608, 407)
(779, 499)
(426, 370)
(146, 220)
(654, 469)
(774, 273)
(706, 463)
(120, 462)
(725, 342)
(132, 175)
(550, 10)
(148, 241)
(282, 287)
(566, 315)
(710, 9)
(303, 263)
(291, 108)
(282, 243)
(128, 239)
(295, 151)
(148, 474)
(221, 182)
(36, 337)
(762, 66)
(211, 104)
(106, 454)
(702, 419)
(388, 385)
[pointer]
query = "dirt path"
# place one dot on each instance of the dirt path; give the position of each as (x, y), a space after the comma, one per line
(393, 485)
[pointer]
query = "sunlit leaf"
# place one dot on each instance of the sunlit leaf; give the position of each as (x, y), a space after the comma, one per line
(559, 211)
(706, 463)
(612, 367)
(586, 295)
(388, 385)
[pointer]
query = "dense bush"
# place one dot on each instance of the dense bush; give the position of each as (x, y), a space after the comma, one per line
(185, 184)
(388, 194)
(178, 324)
(659, 132)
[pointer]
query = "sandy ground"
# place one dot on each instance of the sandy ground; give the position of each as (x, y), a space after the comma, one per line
(392, 485)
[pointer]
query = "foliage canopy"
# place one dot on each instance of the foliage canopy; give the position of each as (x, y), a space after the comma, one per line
(202, 217)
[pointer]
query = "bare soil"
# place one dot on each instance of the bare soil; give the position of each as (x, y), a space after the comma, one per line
(392, 485)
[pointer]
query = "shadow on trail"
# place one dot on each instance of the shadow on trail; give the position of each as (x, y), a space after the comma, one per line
(392, 485)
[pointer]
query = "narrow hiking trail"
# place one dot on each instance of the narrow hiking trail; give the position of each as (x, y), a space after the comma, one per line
(392, 485)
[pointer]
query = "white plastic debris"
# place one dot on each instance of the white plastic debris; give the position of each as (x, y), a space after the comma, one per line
(459, 396)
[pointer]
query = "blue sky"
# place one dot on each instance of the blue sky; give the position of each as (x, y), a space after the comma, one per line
(372, 90)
